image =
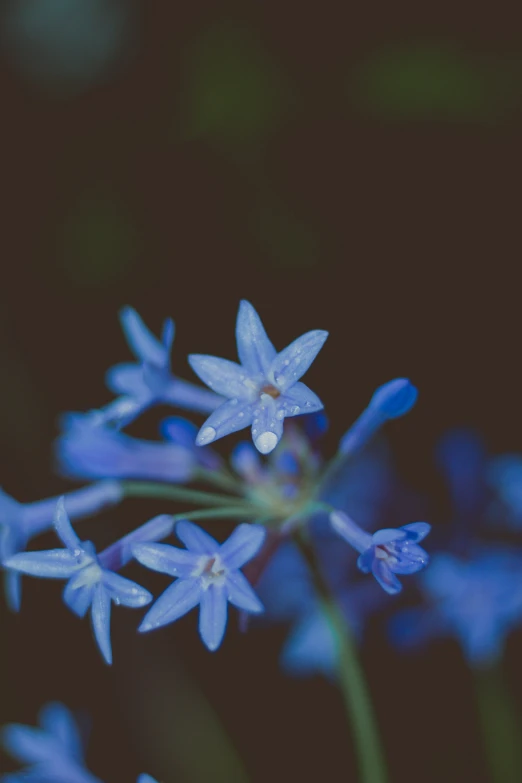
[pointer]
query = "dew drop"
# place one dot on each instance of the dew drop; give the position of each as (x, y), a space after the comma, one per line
(280, 415)
(206, 435)
(295, 410)
(266, 442)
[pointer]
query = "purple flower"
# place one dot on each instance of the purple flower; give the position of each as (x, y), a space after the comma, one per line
(387, 552)
(89, 584)
(264, 388)
(150, 381)
(53, 752)
(208, 575)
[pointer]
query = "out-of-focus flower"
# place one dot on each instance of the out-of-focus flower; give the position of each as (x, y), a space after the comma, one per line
(150, 381)
(264, 388)
(53, 752)
(19, 522)
(208, 574)
(89, 584)
(461, 457)
(477, 601)
(146, 779)
(90, 452)
(504, 476)
(387, 552)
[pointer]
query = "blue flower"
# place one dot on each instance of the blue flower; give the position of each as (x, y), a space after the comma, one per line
(85, 451)
(387, 552)
(54, 751)
(150, 381)
(19, 522)
(89, 585)
(208, 574)
(146, 779)
(264, 388)
(478, 601)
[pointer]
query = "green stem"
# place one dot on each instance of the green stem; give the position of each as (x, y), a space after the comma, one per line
(220, 478)
(500, 725)
(149, 489)
(352, 680)
(219, 513)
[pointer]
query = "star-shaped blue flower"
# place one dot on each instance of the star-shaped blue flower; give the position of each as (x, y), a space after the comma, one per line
(387, 552)
(89, 585)
(150, 380)
(53, 752)
(264, 388)
(208, 574)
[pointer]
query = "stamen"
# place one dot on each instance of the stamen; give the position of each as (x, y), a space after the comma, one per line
(271, 391)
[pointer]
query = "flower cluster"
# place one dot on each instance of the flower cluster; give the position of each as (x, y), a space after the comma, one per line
(286, 497)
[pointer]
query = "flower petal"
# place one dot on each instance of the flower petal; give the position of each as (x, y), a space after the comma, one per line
(50, 564)
(289, 365)
(78, 598)
(125, 591)
(213, 616)
(267, 424)
(242, 545)
(166, 559)
(222, 376)
(299, 399)
(416, 531)
(231, 416)
(27, 744)
(101, 621)
(127, 378)
(180, 431)
(64, 528)
(246, 461)
(350, 531)
(410, 558)
(58, 721)
(395, 398)
(177, 600)
(241, 594)
(254, 349)
(387, 535)
(195, 538)
(145, 346)
(365, 560)
(13, 590)
(386, 578)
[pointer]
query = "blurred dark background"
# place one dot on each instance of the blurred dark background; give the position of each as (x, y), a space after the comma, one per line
(352, 171)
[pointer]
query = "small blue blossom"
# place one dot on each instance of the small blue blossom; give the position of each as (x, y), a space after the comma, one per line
(264, 388)
(387, 552)
(208, 575)
(90, 452)
(150, 381)
(53, 752)
(19, 522)
(477, 601)
(89, 584)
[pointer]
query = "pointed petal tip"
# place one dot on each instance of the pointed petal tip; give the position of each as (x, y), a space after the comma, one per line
(266, 442)
(395, 398)
(205, 436)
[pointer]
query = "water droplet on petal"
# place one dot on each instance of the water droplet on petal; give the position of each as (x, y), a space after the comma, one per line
(295, 410)
(266, 442)
(206, 435)
(280, 415)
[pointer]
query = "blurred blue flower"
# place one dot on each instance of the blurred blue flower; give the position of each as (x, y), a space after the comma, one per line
(90, 452)
(146, 779)
(461, 457)
(183, 432)
(19, 522)
(53, 752)
(208, 574)
(264, 388)
(89, 584)
(150, 381)
(387, 552)
(477, 601)
(504, 476)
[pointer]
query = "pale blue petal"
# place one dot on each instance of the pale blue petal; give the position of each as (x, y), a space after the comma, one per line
(254, 349)
(230, 417)
(27, 744)
(56, 719)
(242, 545)
(78, 598)
(289, 365)
(299, 399)
(177, 600)
(387, 535)
(365, 560)
(350, 531)
(50, 564)
(167, 334)
(241, 594)
(222, 376)
(166, 559)
(145, 346)
(125, 591)
(267, 425)
(246, 461)
(13, 590)
(417, 530)
(101, 621)
(213, 616)
(64, 528)
(127, 378)
(395, 398)
(387, 580)
(196, 539)
(410, 558)
(180, 431)
(189, 396)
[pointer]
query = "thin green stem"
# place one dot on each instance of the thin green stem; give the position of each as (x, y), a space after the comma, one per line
(233, 512)
(352, 680)
(500, 726)
(220, 478)
(149, 489)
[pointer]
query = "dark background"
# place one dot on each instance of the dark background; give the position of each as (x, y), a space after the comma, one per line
(357, 172)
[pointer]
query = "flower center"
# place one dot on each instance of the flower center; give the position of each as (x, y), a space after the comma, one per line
(212, 571)
(271, 391)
